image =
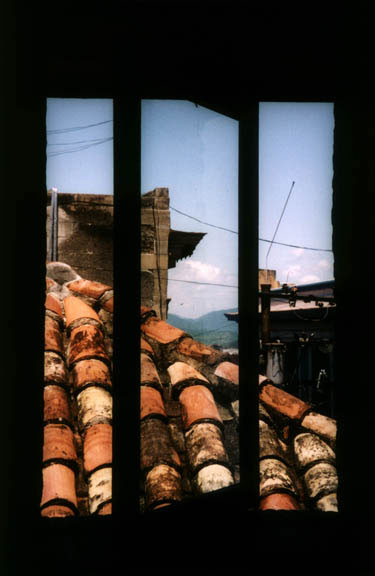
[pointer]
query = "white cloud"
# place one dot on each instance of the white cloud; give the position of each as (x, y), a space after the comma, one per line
(309, 278)
(324, 264)
(297, 252)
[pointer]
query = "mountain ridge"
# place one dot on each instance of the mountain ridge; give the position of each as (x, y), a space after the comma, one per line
(212, 328)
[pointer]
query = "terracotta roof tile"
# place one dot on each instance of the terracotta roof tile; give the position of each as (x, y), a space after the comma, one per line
(180, 372)
(163, 484)
(59, 483)
(146, 313)
(279, 501)
(197, 350)
(53, 303)
(327, 503)
(213, 477)
(54, 369)
(309, 448)
(108, 305)
(50, 283)
(58, 444)
(283, 402)
(320, 480)
(204, 446)
(89, 372)
(156, 445)
(198, 404)
(146, 347)
(97, 447)
(149, 373)
(229, 371)
(269, 444)
(100, 488)
(94, 406)
(57, 511)
(105, 509)
(86, 342)
(53, 341)
(321, 425)
(151, 403)
(161, 331)
(88, 288)
(56, 404)
(274, 477)
(76, 309)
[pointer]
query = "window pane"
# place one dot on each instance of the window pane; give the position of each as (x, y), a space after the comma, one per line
(189, 258)
(77, 450)
(297, 426)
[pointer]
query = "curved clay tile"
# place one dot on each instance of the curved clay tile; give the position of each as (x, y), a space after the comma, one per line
(53, 304)
(88, 288)
(54, 369)
(275, 477)
(97, 447)
(58, 443)
(86, 342)
(279, 501)
(76, 309)
(198, 404)
(156, 445)
(283, 402)
(99, 488)
(213, 477)
(322, 425)
(53, 341)
(204, 446)
(92, 371)
(56, 404)
(163, 485)
(149, 373)
(59, 483)
(151, 403)
(161, 331)
(94, 406)
(228, 371)
(181, 372)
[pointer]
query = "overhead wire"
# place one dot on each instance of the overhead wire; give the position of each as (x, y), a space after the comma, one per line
(77, 128)
(260, 239)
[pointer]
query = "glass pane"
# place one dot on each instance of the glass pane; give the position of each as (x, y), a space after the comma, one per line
(297, 425)
(189, 258)
(77, 450)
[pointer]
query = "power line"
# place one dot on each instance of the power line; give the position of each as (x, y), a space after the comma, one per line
(79, 149)
(201, 283)
(76, 128)
(260, 239)
(77, 142)
(277, 227)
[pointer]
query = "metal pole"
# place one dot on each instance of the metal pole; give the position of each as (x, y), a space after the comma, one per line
(54, 225)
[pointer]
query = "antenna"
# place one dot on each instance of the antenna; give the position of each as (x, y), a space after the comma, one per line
(277, 227)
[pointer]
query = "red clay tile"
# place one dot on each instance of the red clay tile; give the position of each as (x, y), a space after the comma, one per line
(279, 502)
(283, 402)
(86, 342)
(229, 371)
(161, 331)
(156, 445)
(91, 371)
(151, 402)
(99, 488)
(49, 283)
(97, 447)
(108, 305)
(197, 403)
(88, 288)
(94, 406)
(149, 373)
(146, 347)
(56, 404)
(196, 350)
(275, 477)
(105, 509)
(54, 369)
(181, 372)
(163, 483)
(53, 303)
(58, 443)
(52, 336)
(76, 309)
(58, 482)
(146, 312)
(56, 511)
(204, 445)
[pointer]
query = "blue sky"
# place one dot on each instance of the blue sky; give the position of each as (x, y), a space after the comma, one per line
(194, 152)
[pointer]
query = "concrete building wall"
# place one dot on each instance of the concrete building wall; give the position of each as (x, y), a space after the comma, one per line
(85, 234)
(268, 277)
(155, 227)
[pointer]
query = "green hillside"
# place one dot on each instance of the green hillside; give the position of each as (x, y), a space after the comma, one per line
(211, 329)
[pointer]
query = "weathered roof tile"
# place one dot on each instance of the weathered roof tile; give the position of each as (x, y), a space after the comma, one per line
(283, 402)
(58, 444)
(56, 404)
(228, 371)
(161, 331)
(76, 309)
(91, 372)
(198, 404)
(59, 483)
(53, 303)
(151, 403)
(97, 447)
(88, 288)
(149, 373)
(53, 341)
(162, 485)
(279, 501)
(86, 342)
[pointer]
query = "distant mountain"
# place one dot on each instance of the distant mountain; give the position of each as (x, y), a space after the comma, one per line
(213, 328)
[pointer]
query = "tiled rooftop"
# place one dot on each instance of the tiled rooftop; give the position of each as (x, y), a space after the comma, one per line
(189, 415)
(190, 422)
(77, 450)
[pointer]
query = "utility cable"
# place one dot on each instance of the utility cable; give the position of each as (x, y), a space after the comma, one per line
(260, 239)
(76, 128)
